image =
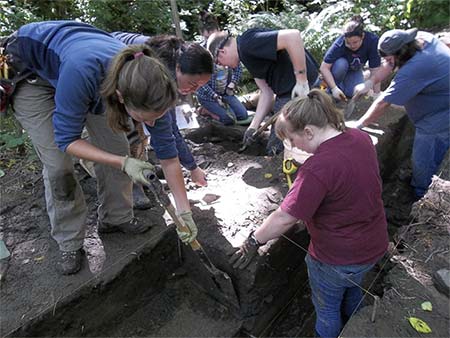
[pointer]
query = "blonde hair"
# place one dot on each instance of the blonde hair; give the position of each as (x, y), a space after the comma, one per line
(143, 81)
(316, 109)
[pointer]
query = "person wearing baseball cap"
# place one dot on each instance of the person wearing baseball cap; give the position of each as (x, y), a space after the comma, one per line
(422, 86)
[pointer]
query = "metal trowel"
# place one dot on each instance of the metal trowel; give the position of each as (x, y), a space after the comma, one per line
(348, 111)
(221, 279)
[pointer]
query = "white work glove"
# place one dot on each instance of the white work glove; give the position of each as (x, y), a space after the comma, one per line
(375, 95)
(301, 89)
(230, 89)
(353, 124)
(338, 94)
(362, 88)
(219, 100)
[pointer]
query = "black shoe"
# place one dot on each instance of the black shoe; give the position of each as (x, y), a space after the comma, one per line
(134, 226)
(69, 262)
(140, 200)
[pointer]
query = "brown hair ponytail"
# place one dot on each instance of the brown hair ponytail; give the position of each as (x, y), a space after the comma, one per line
(190, 57)
(354, 27)
(143, 81)
(316, 109)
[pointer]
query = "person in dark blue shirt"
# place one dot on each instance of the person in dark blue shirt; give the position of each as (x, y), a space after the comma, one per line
(279, 63)
(342, 66)
(82, 76)
(190, 66)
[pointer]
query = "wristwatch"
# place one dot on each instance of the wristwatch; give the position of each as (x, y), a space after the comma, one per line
(252, 239)
(301, 71)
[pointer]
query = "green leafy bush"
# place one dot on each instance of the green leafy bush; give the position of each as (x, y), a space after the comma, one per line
(12, 137)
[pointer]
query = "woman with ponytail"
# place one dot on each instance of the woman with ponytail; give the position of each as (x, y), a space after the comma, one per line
(72, 66)
(342, 66)
(337, 195)
(190, 65)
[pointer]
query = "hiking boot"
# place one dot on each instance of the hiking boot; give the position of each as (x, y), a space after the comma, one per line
(140, 199)
(69, 262)
(134, 226)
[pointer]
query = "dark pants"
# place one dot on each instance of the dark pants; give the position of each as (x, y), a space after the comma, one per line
(428, 153)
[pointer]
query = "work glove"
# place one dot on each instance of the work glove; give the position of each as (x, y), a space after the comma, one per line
(135, 170)
(301, 89)
(375, 95)
(219, 100)
(249, 136)
(353, 124)
(187, 237)
(242, 257)
(230, 89)
(362, 88)
(338, 94)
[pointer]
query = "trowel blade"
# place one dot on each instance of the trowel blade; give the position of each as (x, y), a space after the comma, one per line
(350, 108)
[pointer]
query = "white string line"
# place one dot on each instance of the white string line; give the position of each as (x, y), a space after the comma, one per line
(89, 280)
(376, 298)
(354, 283)
(389, 257)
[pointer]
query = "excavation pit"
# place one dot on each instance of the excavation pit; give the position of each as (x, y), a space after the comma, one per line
(150, 286)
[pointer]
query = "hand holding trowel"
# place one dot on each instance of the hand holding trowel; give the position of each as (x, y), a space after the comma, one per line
(221, 279)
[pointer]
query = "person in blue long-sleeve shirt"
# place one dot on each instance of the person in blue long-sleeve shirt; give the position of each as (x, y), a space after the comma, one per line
(82, 76)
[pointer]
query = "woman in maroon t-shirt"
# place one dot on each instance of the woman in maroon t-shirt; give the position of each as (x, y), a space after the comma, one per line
(337, 194)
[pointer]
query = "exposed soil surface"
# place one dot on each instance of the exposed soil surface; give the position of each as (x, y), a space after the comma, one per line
(150, 285)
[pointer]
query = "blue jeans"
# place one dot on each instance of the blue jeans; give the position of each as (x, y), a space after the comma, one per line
(237, 108)
(428, 153)
(335, 298)
(346, 78)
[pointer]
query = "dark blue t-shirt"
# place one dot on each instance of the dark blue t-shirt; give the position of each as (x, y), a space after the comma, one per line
(257, 48)
(356, 59)
(73, 57)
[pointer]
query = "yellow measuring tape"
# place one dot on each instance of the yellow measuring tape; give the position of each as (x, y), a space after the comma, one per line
(290, 167)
